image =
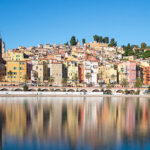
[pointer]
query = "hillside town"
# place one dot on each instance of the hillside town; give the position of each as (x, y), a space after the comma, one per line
(95, 64)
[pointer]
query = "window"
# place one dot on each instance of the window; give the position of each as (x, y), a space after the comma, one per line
(21, 68)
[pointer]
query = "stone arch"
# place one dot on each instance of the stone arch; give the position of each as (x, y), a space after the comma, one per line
(32, 90)
(131, 92)
(71, 90)
(18, 90)
(95, 90)
(57, 90)
(4, 89)
(109, 92)
(83, 90)
(120, 91)
(45, 90)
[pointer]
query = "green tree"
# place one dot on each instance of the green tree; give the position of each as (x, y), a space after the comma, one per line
(83, 41)
(127, 92)
(124, 82)
(143, 45)
(73, 41)
(138, 83)
(64, 81)
(66, 43)
(106, 40)
(96, 38)
(128, 50)
(145, 54)
(39, 89)
(25, 87)
(10, 73)
(115, 44)
(100, 40)
(137, 92)
(112, 43)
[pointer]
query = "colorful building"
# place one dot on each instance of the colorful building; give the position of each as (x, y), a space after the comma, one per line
(55, 72)
(146, 75)
(42, 71)
(72, 72)
(90, 72)
(16, 71)
(127, 70)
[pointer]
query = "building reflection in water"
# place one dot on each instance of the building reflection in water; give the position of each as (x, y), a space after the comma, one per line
(97, 123)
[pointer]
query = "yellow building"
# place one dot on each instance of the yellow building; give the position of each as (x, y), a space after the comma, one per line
(97, 45)
(42, 70)
(16, 71)
(17, 56)
(107, 74)
(122, 71)
(13, 56)
(72, 72)
(27, 52)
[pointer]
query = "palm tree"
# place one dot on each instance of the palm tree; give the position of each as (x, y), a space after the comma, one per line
(124, 82)
(138, 83)
(10, 73)
(88, 76)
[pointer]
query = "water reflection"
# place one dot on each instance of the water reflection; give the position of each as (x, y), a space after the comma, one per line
(85, 123)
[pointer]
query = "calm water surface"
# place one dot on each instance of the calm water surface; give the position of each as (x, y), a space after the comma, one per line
(74, 123)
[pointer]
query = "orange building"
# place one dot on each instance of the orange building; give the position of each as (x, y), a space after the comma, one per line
(146, 75)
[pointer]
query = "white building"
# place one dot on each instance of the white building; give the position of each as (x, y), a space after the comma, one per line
(90, 68)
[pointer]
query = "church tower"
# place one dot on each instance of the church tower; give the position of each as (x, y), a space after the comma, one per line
(0, 47)
(3, 49)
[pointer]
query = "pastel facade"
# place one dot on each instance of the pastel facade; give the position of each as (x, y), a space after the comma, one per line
(127, 70)
(72, 72)
(42, 71)
(16, 56)
(18, 69)
(146, 75)
(55, 71)
(91, 68)
(107, 74)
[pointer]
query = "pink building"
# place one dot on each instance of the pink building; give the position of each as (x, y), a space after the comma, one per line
(131, 72)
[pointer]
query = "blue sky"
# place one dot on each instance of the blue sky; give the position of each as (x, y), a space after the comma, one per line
(30, 22)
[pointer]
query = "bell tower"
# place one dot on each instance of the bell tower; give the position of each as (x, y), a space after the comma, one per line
(0, 46)
(3, 49)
